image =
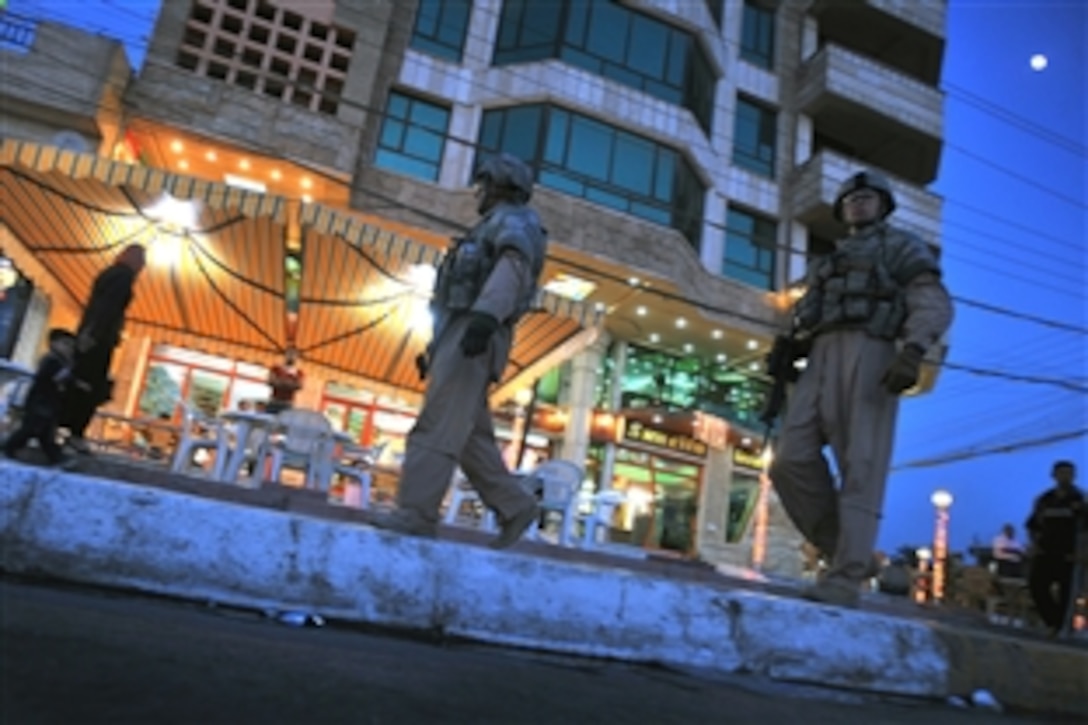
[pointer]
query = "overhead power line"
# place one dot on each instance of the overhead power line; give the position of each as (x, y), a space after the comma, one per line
(968, 454)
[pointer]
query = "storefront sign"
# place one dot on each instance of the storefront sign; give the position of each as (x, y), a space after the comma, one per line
(710, 429)
(639, 433)
(747, 459)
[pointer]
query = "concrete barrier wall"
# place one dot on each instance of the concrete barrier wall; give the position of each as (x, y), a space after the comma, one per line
(85, 529)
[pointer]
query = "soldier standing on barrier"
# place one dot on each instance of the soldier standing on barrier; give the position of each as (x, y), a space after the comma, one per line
(484, 285)
(870, 311)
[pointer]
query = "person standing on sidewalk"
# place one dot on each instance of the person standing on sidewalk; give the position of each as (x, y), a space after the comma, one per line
(870, 311)
(486, 282)
(285, 381)
(1053, 524)
(44, 399)
(98, 336)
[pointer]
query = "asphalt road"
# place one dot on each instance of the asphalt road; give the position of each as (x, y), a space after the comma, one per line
(80, 655)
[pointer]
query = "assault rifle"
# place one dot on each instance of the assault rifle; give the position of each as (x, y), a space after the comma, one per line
(780, 366)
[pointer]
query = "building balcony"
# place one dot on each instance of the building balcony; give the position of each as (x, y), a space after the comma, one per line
(62, 86)
(873, 112)
(909, 36)
(814, 185)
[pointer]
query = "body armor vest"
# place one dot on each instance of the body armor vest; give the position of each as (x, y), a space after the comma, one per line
(465, 268)
(852, 288)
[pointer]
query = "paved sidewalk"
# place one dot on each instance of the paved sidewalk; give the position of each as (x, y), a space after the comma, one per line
(285, 548)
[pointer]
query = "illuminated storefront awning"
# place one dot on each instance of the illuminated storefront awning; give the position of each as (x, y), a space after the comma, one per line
(218, 278)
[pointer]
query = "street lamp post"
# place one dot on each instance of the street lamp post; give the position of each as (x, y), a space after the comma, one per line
(942, 502)
(921, 585)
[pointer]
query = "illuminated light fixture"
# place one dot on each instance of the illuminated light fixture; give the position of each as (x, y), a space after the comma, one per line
(211, 156)
(165, 251)
(421, 277)
(753, 366)
(640, 310)
(688, 347)
(183, 165)
(569, 286)
(746, 441)
(654, 337)
(306, 182)
(716, 334)
(657, 419)
(244, 164)
(752, 344)
(177, 146)
(276, 175)
(170, 211)
(720, 357)
(599, 306)
(681, 322)
(306, 198)
(244, 182)
(633, 281)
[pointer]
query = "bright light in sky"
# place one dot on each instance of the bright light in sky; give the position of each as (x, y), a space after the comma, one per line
(1038, 61)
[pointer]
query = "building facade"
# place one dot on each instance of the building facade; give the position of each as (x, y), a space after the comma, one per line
(686, 152)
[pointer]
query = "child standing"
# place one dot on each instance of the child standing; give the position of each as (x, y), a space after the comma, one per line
(43, 401)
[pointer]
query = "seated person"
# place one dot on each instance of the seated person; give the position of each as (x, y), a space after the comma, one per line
(1008, 553)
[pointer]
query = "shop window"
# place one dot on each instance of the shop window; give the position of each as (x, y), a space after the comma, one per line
(754, 137)
(413, 137)
(591, 159)
(440, 28)
(750, 242)
(15, 293)
(613, 41)
(209, 383)
(757, 35)
(743, 497)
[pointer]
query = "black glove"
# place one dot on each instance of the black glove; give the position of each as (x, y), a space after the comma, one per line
(421, 365)
(481, 326)
(904, 370)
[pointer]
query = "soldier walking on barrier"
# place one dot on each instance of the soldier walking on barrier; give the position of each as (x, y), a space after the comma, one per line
(870, 311)
(484, 285)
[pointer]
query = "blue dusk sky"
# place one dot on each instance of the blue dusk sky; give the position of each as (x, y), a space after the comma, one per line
(1014, 177)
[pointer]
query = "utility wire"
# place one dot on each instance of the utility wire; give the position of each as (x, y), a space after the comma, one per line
(966, 455)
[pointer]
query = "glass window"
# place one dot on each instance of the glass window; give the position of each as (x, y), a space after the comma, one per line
(614, 41)
(757, 35)
(743, 497)
(585, 157)
(412, 137)
(441, 26)
(754, 138)
(749, 249)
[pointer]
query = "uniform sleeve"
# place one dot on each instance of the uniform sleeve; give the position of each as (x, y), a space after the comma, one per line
(929, 310)
(504, 286)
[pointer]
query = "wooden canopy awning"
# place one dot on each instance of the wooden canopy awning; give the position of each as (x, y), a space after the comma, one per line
(219, 281)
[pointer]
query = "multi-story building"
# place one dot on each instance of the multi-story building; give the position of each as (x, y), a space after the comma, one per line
(686, 153)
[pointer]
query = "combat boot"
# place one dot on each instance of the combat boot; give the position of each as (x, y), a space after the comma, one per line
(512, 528)
(838, 592)
(404, 521)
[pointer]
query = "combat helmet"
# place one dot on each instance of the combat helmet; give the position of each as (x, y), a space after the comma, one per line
(865, 180)
(507, 171)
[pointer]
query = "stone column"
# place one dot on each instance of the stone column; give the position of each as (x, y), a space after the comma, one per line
(35, 325)
(579, 401)
(713, 511)
(615, 401)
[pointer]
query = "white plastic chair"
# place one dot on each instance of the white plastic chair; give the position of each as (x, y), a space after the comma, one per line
(305, 444)
(209, 438)
(558, 483)
(355, 463)
(462, 492)
(604, 505)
